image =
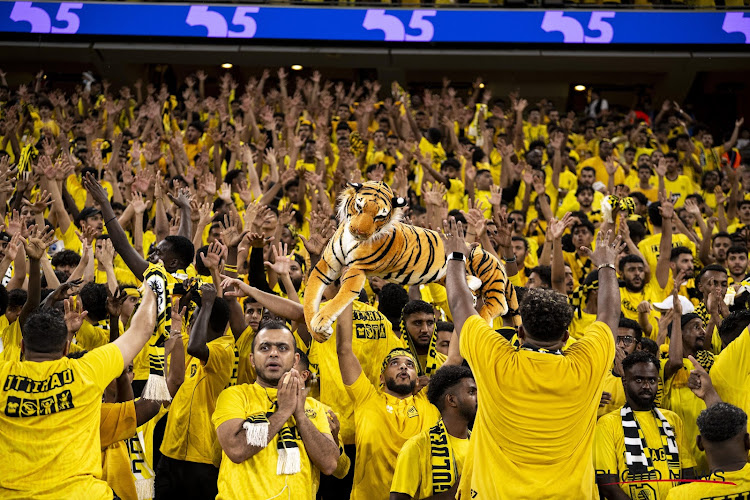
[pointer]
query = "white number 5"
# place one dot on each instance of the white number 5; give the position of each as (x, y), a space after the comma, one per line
(598, 23)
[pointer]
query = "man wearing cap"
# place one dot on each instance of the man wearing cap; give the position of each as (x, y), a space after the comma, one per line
(385, 417)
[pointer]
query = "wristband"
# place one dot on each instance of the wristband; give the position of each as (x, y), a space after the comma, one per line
(110, 220)
(457, 256)
(611, 266)
(511, 260)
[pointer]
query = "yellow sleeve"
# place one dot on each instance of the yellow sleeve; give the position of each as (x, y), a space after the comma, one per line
(407, 478)
(686, 456)
(361, 390)
(118, 422)
(104, 364)
(316, 412)
(595, 350)
(731, 366)
(481, 346)
(90, 337)
(229, 406)
(220, 357)
(605, 455)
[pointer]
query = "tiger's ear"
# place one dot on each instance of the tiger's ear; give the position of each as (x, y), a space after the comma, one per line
(398, 202)
(357, 186)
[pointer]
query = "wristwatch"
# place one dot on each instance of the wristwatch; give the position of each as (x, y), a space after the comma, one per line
(612, 266)
(457, 256)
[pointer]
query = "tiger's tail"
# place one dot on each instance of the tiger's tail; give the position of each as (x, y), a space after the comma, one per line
(498, 293)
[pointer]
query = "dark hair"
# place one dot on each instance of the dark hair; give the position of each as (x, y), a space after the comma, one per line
(456, 214)
(392, 300)
(672, 155)
(545, 274)
(3, 299)
(45, 331)
(219, 315)
(637, 195)
(677, 251)
(654, 215)
(197, 125)
(637, 229)
(232, 175)
(272, 324)
(649, 345)
(545, 314)
(638, 356)
(721, 234)
(631, 324)
(17, 297)
(737, 249)
(721, 421)
(417, 306)
(94, 300)
(583, 223)
(589, 169)
(582, 188)
(304, 361)
(521, 238)
(452, 163)
(734, 324)
(200, 267)
(711, 267)
(183, 248)
(65, 258)
(444, 326)
(629, 259)
(443, 381)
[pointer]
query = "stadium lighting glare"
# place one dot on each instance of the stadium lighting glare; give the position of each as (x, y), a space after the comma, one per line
(296, 67)
(579, 88)
(227, 65)
(481, 85)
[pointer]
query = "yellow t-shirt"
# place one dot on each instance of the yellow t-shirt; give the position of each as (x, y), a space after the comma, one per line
(456, 195)
(680, 189)
(649, 247)
(118, 424)
(414, 472)
(579, 325)
(601, 170)
(189, 434)
(680, 399)
(537, 417)
(91, 336)
(372, 340)
(708, 491)
(244, 348)
(256, 477)
(613, 385)
(11, 340)
(609, 452)
(731, 372)
(383, 424)
(49, 426)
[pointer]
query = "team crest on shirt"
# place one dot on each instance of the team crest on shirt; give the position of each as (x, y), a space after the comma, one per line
(311, 413)
(389, 408)
(412, 412)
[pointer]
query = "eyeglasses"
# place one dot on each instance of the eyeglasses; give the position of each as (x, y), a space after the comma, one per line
(626, 340)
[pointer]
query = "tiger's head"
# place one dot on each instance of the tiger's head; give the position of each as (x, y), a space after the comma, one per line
(369, 208)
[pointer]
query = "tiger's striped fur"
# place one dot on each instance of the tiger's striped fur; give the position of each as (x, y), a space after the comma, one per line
(372, 241)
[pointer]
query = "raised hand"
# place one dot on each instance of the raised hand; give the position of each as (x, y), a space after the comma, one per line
(74, 314)
(38, 242)
(282, 263)
(106, 254)
(182, 200)
(607, 249)
(234, 287)
(97, 192)
(115, 302)
(214, 255)
(556, 228)
(454, 237)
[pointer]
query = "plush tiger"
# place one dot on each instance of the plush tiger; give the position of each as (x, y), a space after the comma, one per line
(372, 241)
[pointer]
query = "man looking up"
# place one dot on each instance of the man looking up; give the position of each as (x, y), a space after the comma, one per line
(724, 437)
(429, 464)
(638, 440)
(532, 436)
(266, 452)
(383, 418)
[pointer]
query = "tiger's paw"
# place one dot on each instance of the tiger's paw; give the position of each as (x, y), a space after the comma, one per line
(321, 329)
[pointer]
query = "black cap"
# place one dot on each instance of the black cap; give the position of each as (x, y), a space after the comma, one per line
(88, 212)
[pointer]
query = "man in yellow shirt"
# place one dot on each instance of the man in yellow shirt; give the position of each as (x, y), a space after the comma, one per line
(450, 169)
(49, 428)
(186, 468)
(384, 418)
(430, 463)
(270, 432)
(599, 163)
(534, 429)
(724, 437)
(677, 185)
(640, 442)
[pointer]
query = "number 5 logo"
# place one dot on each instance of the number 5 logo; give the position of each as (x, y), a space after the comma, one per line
(393, 29)
(40, 21)
(572, 30)
(217, 27)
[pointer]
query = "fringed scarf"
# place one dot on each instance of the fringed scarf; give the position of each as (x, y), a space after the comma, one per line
(641, 467)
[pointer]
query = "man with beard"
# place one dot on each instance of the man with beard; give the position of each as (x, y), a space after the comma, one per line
(430, 463)
(583, 235)
(720, 243)
(639, 442)
(737, 264)
(683, 271)
(417, 329)
(266, 452)
(635, 289)
(386, 417)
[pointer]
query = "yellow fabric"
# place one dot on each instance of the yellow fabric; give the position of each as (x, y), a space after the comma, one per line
(383, 424)
(11, 337)
(731, 372)
(609, 451)
(413, 475)
(612, 385)
(91, 336)
(189, 435)
(693, 491)
(680, 399)
(601, 170)
(256, 477)
(49, 426)
(579, 326)
(649, 247)
(525, 434)
(118, 423)
(456, 195)
(372, 340)
(680, 189)
(244, 347)
(69, 238)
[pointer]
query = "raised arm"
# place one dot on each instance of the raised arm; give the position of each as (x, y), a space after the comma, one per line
(603, 258)
(279, 306)
(142, 325)
(665, 244)
(348, 362)
(674, 363)
(199, 332)
(460, 299)
(132, 258)
(35, 245)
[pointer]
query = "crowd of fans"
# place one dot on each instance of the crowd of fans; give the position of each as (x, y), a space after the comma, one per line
(625, 236)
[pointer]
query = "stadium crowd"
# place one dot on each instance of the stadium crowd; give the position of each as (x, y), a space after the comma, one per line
(622, 372)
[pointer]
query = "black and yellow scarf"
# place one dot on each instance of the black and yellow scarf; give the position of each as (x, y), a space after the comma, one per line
(432, 364)
(442, 459)
(256, 434)
(641, 467)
